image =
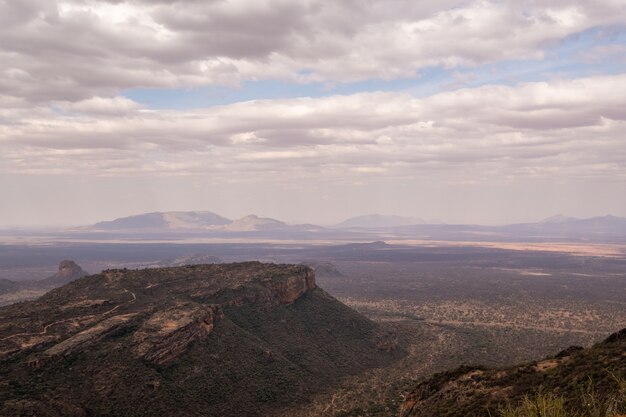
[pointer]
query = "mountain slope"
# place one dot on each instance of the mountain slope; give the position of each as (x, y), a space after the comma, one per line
(475, 391)
(255, 223)
(222, 340)
(173, 220)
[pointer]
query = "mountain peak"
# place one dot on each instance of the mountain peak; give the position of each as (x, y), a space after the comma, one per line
(169, 220)
(68, 271)
(558, 218)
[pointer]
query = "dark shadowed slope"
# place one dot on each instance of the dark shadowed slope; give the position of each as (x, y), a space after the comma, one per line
(468, 392)
(204, 340)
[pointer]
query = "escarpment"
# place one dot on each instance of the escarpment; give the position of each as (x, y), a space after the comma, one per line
(191, 339)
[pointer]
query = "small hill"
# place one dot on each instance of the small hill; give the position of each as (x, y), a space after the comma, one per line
(68, 272)
(476, 391)
(242, 339)
(370, 221)
(162, 221)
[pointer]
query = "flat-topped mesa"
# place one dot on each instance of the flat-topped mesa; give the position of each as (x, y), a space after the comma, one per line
(215, 339)
(170, 308)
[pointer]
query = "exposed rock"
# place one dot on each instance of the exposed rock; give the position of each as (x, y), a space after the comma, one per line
(293, 287)
(166, 334)
(91, 335)
(219, 339)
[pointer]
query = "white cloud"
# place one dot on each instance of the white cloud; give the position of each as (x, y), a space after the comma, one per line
(77, 49)
(566, 129)
(100, 106)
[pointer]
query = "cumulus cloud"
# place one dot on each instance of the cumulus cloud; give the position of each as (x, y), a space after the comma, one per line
(73, 50)
(568, 129)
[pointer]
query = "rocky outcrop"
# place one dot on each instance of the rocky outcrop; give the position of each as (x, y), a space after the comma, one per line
(166, 334)
(68, 272)
(289, 289)
(90, 336)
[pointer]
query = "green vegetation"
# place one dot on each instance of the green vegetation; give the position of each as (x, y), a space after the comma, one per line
(590, 403)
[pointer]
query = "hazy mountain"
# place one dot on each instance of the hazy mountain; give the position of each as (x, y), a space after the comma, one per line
(222, 340)
(558, 218)
(477, 392)
(569, 226)
(603, 228)
(377, 221)
(173, 220)
(255, 223)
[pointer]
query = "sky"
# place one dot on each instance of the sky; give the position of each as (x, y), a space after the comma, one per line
(312, 111)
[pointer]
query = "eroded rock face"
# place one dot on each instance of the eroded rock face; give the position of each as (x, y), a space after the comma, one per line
(166, 334)
(291, 288)
(91, 335)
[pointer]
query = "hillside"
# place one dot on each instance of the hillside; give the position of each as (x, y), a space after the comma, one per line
(204, 340)
(571, 374)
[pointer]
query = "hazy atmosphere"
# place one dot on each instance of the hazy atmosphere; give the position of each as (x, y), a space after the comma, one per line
(312, 208)
(312, 111)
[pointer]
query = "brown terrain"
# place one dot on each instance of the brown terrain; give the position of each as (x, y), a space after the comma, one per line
(227, 339)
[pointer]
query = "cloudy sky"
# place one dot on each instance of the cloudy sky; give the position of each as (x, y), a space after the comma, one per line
(312, 110)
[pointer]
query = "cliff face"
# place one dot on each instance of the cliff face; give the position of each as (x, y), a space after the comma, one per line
(223, 339)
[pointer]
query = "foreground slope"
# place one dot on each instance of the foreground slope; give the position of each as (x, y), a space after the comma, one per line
(223, 340)
(467, 391)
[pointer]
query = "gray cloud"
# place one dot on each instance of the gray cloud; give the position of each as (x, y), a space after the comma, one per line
(64, 66)
(561, 128)
(77, 49)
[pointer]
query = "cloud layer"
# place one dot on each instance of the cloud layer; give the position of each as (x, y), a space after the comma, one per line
(571, 128)
(66, 65)
(73, 50)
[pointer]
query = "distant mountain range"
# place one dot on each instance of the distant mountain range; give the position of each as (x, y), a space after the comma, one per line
(171, 220)
(363, 227)
(196, 221)
(378, 221)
